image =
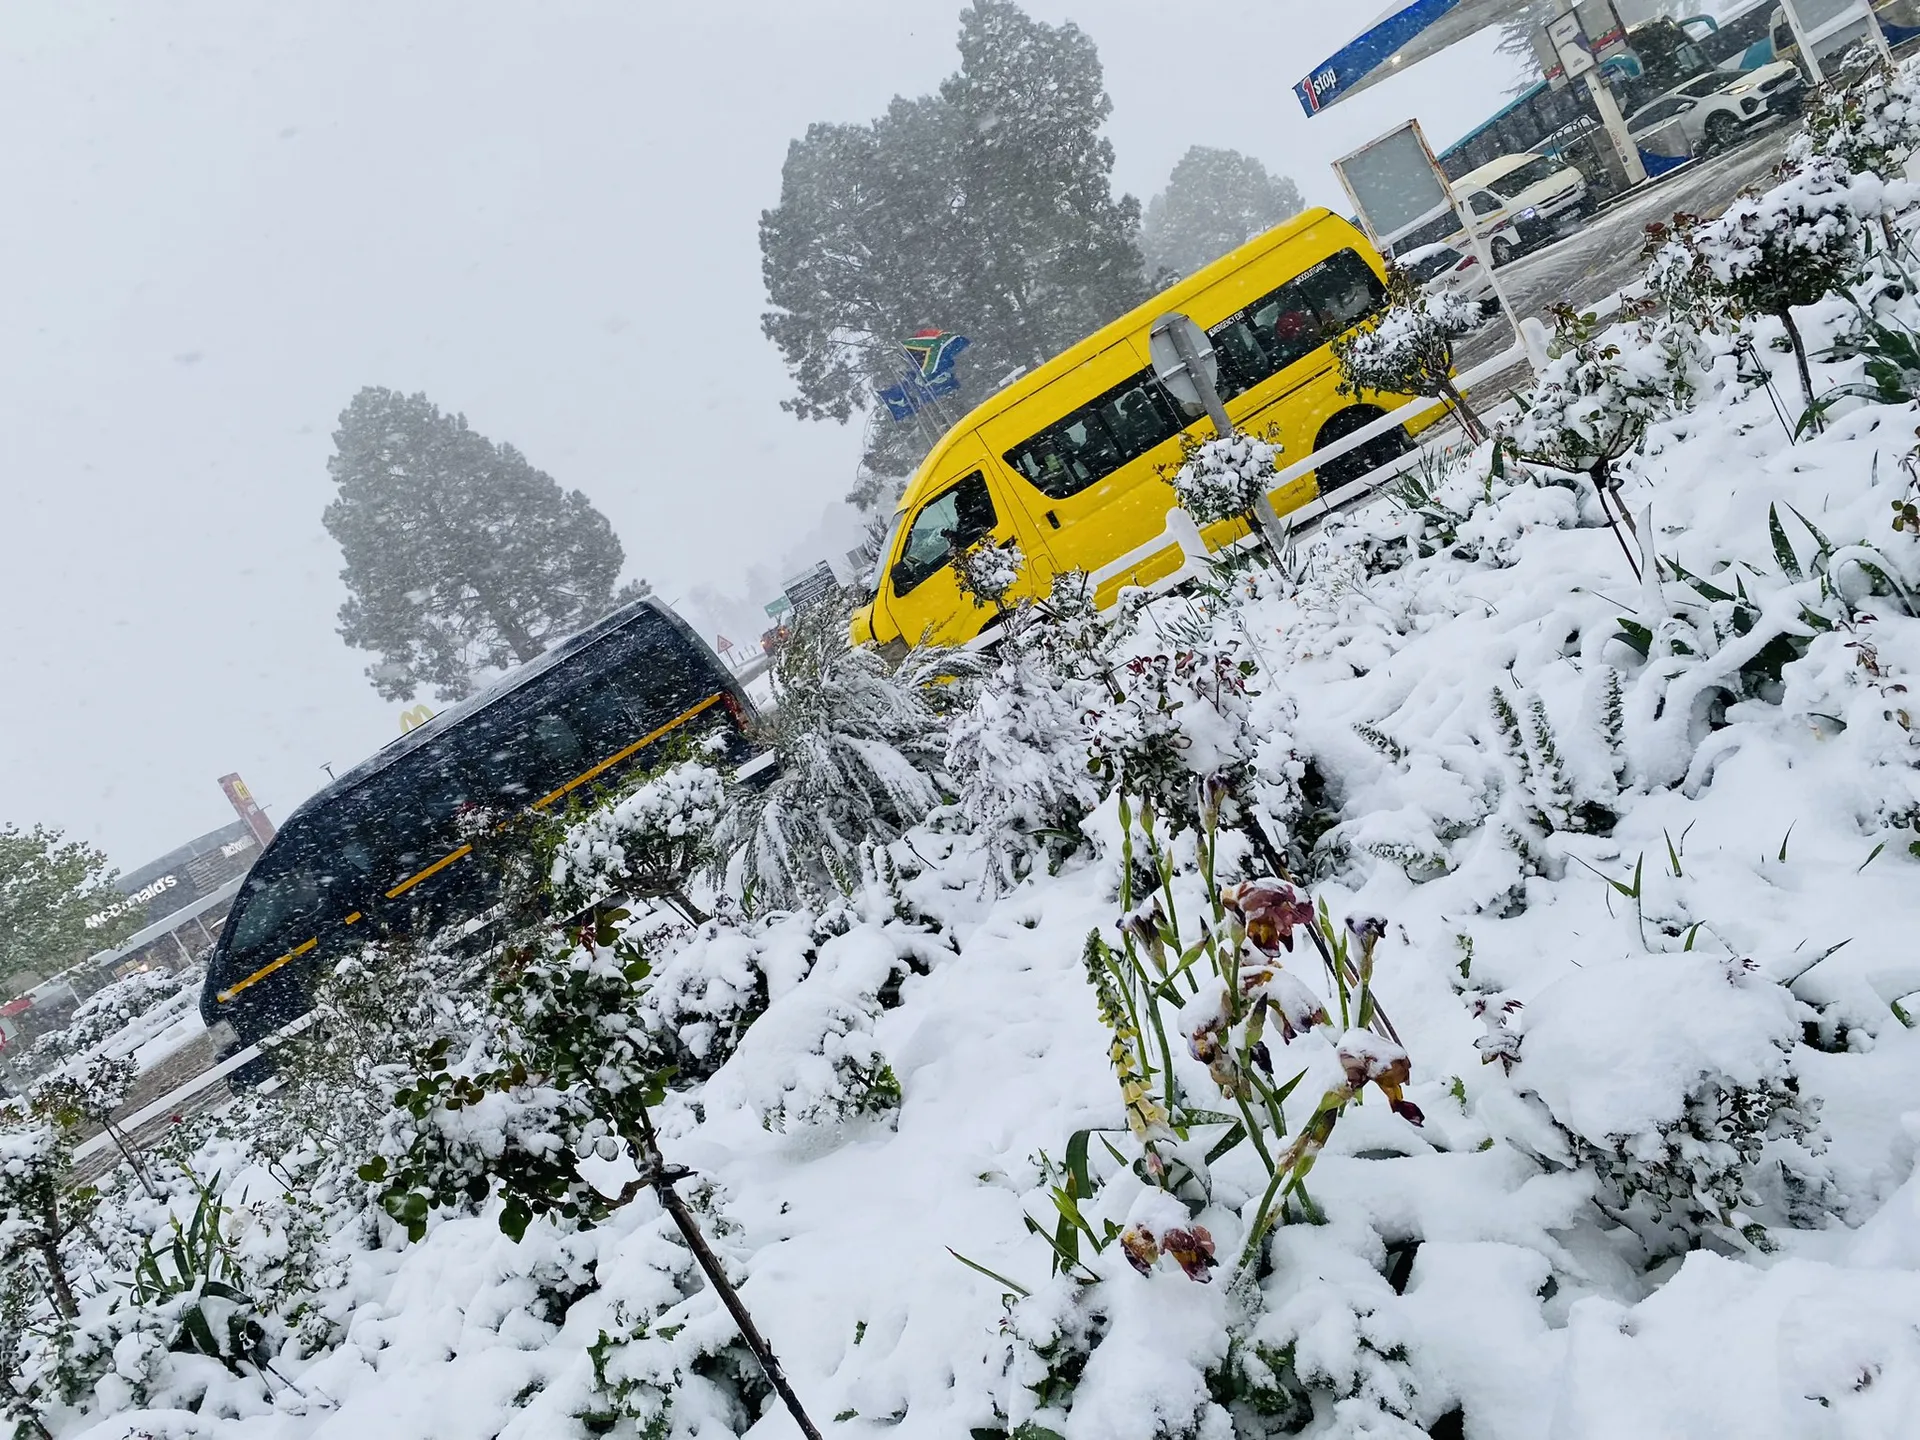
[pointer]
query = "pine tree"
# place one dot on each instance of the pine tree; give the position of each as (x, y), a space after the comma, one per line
(1215, 200)
(461, 556)
(986, 210)
(50, 887)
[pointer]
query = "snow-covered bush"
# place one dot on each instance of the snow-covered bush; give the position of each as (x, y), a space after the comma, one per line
(1770, 252)
(92, 1094)
(860, 749)
(1180, 718)
(1671, 1078)
(34, 1218)
(987, 570)
(1407, 348)
(1867, 116)
(1225, 477)
(1593, 403)
(648, 842)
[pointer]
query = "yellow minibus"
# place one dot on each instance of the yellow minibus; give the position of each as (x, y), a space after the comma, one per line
(1068, 460)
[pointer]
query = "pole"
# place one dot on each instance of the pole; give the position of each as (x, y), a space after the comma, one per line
(1209, 396)
(1616, 127)
(661, 1177)
(1485, 256)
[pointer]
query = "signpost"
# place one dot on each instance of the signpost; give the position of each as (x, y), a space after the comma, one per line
(1183, 358)
(1826, 29)
(810, 588)
(1397, 186)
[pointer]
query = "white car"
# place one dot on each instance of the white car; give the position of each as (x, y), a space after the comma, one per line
(1714, 110)
(1451, 267)
(1523, 200)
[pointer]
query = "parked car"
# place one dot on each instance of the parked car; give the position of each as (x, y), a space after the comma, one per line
(1450, 267)
(1714, 110)
(1526, 200)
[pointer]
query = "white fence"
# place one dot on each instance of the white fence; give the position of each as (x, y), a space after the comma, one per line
(1183, 533)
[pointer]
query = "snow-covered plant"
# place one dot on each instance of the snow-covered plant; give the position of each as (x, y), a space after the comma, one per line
(1867, 116)
(1407, 348)
(1770, 252)
(1018, 757)
(1225, 477)
(191, 1279)
(1671, 1078)
(671, 1361)
(860, 747)
(1593, 403)
(987, 570)
(36, 1215)
(648, 842)
(93, 1093)
(1179, 718)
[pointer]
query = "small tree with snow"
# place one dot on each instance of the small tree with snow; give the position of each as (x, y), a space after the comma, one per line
(860, 747)
(34, 1222)
(987, 570)
(1226, 478)
(1867, 117)
(650, 842)
(1407, 348)
(93, 1094)
(1771, 252)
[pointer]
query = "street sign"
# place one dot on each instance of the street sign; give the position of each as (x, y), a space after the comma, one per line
(778, 607)
(810, 588)
(1570, 45)
(1176, 363)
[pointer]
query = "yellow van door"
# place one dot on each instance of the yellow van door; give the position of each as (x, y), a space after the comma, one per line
(1090, 479)
(921, 592)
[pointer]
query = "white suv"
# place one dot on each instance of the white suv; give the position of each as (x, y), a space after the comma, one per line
(1714, 110)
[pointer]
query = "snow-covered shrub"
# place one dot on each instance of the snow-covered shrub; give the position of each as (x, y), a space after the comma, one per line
(1867, 116)
(648, 842)
(860, 749)
(669, 1359)
(1407, 348)
(1180, 717)
(93, 1093)
(1018, 755)
(1225, 477)
(34, 1220)
(987, 570)
(1593, 403)
(1671, 1078)
(1770, 252)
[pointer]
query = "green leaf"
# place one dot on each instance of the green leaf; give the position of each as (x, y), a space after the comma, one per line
(1783, 551)
(1784, 839)
(374, 1171)
(1636, 635)
(1227, 1141)
(1826, 545)
(1872, 856)
(995, 1276)
(514, 1218)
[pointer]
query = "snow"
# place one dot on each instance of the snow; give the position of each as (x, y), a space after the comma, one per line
(1627, 862)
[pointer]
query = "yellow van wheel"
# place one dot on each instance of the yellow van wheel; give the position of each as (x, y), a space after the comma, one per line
(1369, 457)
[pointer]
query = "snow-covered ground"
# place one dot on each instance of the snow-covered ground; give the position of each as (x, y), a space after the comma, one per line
(1631, 862)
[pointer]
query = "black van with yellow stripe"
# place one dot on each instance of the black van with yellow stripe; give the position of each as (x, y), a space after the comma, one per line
(381, 849)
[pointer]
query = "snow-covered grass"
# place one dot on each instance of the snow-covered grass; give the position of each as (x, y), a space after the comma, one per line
(1575, 1098)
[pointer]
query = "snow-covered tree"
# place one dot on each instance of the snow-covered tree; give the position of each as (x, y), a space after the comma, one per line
(986, 209)
(1770, 252)
(860, 746)
(1226, 477)
(1407, 348)
(50, 889)
(649, 842)
(462, 558)
(1215, 200)
(1867, 116)
(33, 1219)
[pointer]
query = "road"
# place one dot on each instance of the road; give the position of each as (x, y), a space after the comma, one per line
(1592, 263)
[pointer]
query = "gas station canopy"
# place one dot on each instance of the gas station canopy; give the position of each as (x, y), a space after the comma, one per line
(1409, 31)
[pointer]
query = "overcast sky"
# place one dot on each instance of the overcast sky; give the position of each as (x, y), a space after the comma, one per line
(223, 219)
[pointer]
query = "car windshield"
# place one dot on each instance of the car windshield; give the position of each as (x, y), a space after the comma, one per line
(1706, 84)
(1525, 177)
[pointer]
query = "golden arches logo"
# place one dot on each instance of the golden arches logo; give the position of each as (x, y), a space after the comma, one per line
(414, 718)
